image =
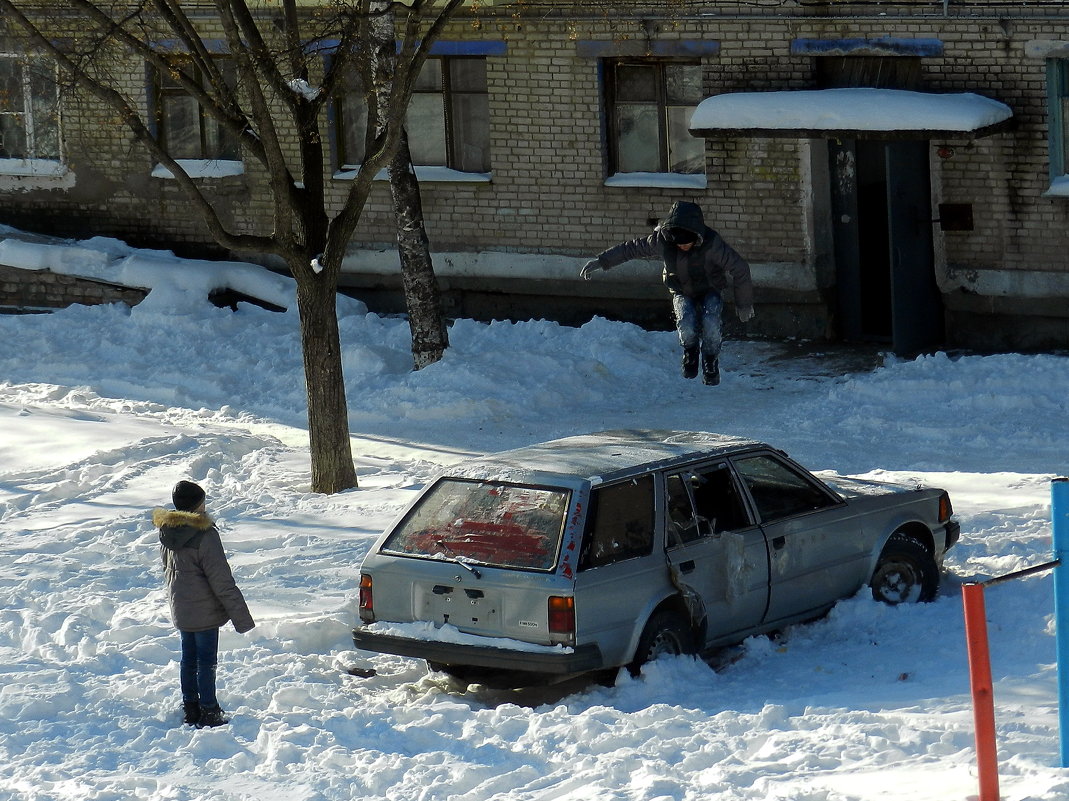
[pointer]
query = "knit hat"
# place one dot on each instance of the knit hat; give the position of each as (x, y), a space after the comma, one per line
(187, 496)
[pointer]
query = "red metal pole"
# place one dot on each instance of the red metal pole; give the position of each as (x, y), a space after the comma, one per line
(972, 596)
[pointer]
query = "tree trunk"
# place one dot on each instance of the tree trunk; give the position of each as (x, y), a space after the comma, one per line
(423, 296)
(328, 414)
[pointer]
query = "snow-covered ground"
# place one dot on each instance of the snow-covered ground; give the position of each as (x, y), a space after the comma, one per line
(103, 409)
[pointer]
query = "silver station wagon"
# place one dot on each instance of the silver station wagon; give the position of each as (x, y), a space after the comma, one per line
(596, 552)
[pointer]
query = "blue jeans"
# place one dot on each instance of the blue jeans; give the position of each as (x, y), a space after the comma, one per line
(200, 653)
(698, 322)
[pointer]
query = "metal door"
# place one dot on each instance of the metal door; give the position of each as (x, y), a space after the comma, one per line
(916, 303)
(881, 223)
(717, 556)
(815, 548)
(843, 173)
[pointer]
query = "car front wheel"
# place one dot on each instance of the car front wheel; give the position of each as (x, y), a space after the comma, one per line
(905, 572)
(665, 633)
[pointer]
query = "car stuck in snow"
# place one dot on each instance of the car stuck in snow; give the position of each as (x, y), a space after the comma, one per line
(607, 550)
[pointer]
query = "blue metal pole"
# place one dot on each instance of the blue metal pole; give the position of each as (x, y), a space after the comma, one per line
(1059, 493)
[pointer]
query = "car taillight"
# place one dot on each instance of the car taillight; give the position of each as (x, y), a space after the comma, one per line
(562, 614)
(946, 509)
(367, 599)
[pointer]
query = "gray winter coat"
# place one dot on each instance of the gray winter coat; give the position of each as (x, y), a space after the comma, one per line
(691, 273)
(200, 586)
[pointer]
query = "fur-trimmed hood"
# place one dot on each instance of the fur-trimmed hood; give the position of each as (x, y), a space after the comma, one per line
(178, 528)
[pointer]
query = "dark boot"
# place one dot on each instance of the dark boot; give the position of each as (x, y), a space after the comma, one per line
(690, 362)
(210, 717)
(191, 709)
(710, 372)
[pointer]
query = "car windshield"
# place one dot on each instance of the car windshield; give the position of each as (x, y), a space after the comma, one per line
(491, 523)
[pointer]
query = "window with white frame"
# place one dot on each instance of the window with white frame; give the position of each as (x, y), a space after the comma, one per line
(648, 104)
(448, 119)
(1058, 110)
(185, 128)
(29, 109)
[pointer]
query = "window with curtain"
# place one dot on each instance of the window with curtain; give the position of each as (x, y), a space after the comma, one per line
(29, 109)
(448, 120)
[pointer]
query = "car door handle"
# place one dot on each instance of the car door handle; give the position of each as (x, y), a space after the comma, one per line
(686, 567)
(441, 589)
(779, 542)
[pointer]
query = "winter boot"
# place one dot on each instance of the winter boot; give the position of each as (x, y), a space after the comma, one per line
(210, 717)
(711, 372)
(690, 362)
(191, 709)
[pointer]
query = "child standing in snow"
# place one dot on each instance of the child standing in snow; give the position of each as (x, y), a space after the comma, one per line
(203, 596)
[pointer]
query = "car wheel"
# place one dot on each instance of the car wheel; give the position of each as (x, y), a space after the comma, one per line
(905, 572)
(665, 633)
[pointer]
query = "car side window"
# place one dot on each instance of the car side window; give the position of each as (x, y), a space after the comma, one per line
(703, 501)
(683, 525)
(619, 524)
(778, 490)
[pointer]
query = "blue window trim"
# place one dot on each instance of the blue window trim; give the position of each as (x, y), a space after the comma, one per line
(1057, 88)
(674, 48)
(883, 46)
(442, 47)
(469, 48)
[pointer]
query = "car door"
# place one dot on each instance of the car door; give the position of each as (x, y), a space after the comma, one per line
(620, 573)
(815, 547)
(716, 553)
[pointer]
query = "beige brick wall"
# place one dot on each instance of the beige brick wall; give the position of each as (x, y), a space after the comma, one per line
(35, 290)
(548, 192)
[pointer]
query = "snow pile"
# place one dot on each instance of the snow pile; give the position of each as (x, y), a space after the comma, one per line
(103, 409)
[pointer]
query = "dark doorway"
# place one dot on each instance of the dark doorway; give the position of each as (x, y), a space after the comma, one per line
(881, 222)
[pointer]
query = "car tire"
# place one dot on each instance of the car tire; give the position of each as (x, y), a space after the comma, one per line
(906, 572)
(665, 633)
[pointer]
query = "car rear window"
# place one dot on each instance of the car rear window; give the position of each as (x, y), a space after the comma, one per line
(491, 523)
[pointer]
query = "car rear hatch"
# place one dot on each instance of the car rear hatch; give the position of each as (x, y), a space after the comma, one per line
(480, 556)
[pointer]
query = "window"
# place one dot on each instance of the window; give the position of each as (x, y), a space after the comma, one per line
(505, 525)
(619, 523)
(29, 109)
(187, 132)
(1058, 109)
(878, 72)
(649, 105)
(448, 119)
(779, 491)
(703, 502)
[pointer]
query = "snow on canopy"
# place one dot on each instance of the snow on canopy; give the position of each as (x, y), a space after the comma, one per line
(848, 109)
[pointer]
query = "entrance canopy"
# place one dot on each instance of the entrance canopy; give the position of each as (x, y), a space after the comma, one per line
(850, 114)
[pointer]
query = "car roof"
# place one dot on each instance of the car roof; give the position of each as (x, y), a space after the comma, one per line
(602, 456)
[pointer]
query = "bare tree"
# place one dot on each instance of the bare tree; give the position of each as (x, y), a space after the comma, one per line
(421, 291)
(277, 118)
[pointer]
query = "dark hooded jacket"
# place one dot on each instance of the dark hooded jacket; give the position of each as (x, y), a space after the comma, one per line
(691, 273)
(200, 587)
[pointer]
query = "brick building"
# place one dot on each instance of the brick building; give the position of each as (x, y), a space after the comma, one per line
(544, 132)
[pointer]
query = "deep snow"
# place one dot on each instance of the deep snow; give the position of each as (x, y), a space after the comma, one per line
(103, 409)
